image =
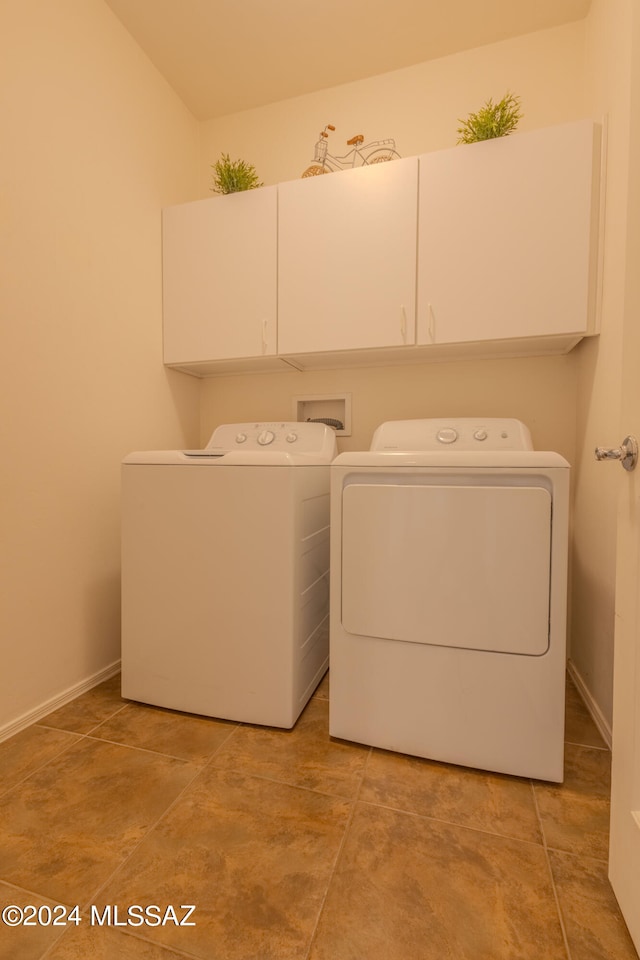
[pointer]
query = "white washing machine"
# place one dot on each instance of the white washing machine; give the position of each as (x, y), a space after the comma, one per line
(225, 572)
(448, 595)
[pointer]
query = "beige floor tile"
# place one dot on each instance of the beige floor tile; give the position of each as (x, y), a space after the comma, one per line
(575, 824)
(27, 942)
(89, 709)
(103, 943)
(587, 772)
(164, 731)
(66, 828)
(407, 888)
(575, 814)
(579, 725)
(305, 756)
(28, 750)
(595, 927)
(447, 873)
(255, 858)
(473, 798)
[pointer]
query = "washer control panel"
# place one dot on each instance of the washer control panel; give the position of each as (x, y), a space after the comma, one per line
(313, 439)
(461, 433)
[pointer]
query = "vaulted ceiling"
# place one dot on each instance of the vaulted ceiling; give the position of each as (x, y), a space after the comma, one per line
(222, 56)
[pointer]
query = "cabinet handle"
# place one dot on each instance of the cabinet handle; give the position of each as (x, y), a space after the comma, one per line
(431, 325)
(264, 337)
(403, 324)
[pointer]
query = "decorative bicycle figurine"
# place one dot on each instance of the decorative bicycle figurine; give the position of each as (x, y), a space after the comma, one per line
(362, 154)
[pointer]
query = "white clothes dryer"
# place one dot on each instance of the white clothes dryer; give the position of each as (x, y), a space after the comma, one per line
(225, 572)
(448, 595)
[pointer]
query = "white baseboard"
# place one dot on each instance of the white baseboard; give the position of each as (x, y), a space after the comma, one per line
(591, 705)
(15, 726)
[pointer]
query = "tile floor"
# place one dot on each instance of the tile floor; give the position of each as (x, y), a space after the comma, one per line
(293, 846)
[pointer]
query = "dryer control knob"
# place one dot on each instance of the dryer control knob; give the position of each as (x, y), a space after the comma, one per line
(447, 435)
(480, 435)
(266, 437)
(292, 437)
(241, 437)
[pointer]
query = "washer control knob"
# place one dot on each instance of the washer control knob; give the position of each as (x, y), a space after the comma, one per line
(241, 437)
(266, 437)
(480, 435)
(447, 435)
(292, 437)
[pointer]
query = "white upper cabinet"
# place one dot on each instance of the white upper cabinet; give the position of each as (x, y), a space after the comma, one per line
(219, 277)
(347, 259)
(507, 237)
(497, 241)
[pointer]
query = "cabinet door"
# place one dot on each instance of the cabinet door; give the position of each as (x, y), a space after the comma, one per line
(508, 235)
(347, 259)
(219, 277)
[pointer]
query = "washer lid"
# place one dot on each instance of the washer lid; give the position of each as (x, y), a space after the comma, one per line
(199, 458)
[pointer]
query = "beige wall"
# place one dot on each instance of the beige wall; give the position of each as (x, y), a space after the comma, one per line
(599, 370)
(418, 106)
(539, 392)
(94, 143)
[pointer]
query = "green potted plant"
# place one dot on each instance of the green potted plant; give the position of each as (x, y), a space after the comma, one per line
(492, 120)
(231, 176)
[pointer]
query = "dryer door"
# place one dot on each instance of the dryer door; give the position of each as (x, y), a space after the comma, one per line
(453, 565)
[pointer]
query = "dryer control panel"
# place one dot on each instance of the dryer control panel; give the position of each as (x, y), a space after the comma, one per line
(461, 433)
